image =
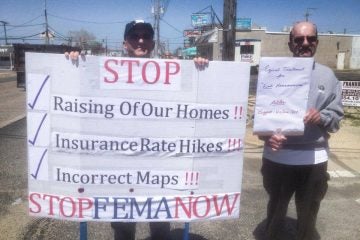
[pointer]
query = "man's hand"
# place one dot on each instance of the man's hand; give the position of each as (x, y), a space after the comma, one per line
(276, 141)
(312, 117)
(74, 55)
(201, 63)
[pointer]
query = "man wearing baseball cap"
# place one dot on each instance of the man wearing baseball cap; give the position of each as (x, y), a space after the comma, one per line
(139, 43)
(139, 39)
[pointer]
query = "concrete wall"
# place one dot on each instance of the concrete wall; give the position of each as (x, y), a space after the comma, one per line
(329, 47)
(275, 44)
(355, 54)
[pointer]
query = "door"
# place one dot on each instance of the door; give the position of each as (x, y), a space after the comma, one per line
(340, 61)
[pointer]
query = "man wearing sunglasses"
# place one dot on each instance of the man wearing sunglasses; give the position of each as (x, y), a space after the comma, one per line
(139, 39)
(139, 43)
(298, 164)
(302, 41)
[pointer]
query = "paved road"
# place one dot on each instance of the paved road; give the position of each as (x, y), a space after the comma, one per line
(348, 75)
(339, 216)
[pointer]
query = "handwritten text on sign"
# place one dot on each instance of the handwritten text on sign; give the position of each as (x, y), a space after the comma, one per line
(121, 139)
(282, 93)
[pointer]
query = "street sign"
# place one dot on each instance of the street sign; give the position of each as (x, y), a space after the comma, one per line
(243, 24)
(351, 93)
(200, 19)
(192, 33)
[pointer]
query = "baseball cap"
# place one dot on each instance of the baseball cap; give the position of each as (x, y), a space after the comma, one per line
(131, 25)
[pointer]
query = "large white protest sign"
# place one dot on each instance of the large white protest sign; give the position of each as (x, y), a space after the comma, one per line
(121, 139)
(282, 95)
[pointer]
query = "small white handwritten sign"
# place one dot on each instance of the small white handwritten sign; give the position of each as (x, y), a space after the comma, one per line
(282, 94)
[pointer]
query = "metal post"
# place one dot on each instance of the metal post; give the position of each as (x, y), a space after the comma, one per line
(4, 24)
(157, 12)
(186, 231)
(83, 231)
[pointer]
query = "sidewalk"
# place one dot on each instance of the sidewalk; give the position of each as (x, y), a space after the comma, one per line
(12, 101)
(7, 73)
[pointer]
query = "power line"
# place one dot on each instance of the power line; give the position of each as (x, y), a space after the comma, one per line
(25, 23)
(20, 26)
(23, 37)
(171, 26)
(61, 36)
(85, 21)
(165, 6)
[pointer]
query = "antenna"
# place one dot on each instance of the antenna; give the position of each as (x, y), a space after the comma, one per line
(307, 14)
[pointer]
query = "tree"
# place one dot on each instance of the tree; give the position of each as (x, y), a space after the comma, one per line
(86, 41)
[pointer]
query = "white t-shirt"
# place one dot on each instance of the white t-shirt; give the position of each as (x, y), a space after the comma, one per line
(297, 156)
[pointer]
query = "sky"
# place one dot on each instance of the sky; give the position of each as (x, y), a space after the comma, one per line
(106, 18)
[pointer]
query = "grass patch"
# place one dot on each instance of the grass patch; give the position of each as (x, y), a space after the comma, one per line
(352, 116)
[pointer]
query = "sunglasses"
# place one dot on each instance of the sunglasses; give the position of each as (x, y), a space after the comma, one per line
(300, 40)
(137, 37)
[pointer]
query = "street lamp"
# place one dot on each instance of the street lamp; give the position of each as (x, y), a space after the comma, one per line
(4, 24)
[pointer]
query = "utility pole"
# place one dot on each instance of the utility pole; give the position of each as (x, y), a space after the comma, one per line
(46, 26)
(4, 24)
(228, 51)
(157, 11)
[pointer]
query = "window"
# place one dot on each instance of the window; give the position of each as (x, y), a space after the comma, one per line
(247, 49)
